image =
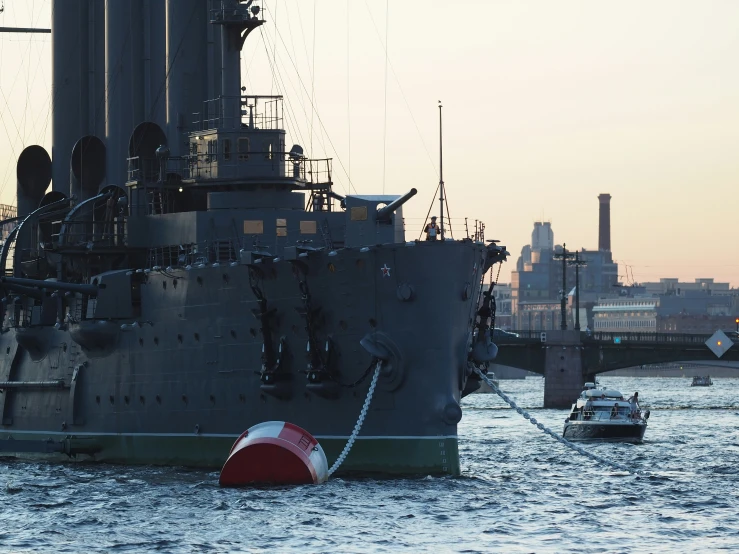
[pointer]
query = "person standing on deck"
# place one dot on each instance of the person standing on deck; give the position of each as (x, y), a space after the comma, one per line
(432, 229)
(634, 404)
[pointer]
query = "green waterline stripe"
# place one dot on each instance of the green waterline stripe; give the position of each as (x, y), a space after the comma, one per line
(215, 435)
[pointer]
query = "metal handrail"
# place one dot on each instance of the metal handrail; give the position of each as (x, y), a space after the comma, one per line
(263, 112)
(308, 172)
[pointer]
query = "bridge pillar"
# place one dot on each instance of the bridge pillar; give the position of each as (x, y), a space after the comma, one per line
(563, 375)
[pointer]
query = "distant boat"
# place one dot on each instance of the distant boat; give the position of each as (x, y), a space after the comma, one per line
(699, 381)
(484, 387)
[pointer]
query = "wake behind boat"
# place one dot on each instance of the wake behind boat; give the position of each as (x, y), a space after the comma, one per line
(605, 414)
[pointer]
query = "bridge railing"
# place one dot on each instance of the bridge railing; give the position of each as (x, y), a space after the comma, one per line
(609, 337)
(617, 338)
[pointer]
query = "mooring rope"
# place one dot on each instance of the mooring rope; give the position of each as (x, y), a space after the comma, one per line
(542, 427)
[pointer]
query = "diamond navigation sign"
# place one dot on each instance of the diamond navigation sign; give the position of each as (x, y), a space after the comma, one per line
(719, 343)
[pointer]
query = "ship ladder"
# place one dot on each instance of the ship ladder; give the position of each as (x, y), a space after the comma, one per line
(555, 436)
(326, 235)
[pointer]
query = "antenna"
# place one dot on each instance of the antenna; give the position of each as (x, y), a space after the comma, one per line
(441, 177)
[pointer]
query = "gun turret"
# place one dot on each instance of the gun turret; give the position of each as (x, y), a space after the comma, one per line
(384, 214)
(14, 283)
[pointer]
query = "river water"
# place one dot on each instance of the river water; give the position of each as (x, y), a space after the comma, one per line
(520, 491)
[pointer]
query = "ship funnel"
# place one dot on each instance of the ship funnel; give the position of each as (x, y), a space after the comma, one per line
(142, 149)
(145, 140)
(87, 167)
(33, 177)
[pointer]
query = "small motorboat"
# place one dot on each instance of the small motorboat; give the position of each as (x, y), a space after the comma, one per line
(605, 414)
(701, 381)
(484, 387)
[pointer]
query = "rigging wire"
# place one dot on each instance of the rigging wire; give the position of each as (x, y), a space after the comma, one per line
(318, 115)
(311, 73)
(298, 94)
(277, 77)
(28, 75)
(34, 23)
(313, 77)
(448, 213)
(431, 206)
(348, 89)
(274, 48)
(405, 99)
(291, 120)
(384, 126)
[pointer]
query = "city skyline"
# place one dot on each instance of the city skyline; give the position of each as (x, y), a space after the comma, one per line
(545, 108)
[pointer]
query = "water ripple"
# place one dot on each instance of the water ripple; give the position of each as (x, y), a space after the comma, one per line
(519, 492)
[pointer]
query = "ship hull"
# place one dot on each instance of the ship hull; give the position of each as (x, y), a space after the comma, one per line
(604, 431)
(182, 384)
(369, 455)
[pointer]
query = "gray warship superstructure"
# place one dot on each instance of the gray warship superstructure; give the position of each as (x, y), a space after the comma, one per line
(189, 277)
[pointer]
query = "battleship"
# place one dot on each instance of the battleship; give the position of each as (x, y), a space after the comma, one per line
(187, 276)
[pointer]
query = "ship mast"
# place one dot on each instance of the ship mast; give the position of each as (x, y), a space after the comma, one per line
(441, 178)
(238, 20)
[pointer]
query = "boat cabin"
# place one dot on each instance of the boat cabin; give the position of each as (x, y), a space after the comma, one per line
(603, 405)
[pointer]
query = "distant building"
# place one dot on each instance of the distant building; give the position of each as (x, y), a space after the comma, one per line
(693, 312)
(542, 238)
(698, 324)
(502, 294)
(671, 285)
(536, 283)
(540, 315)
(629, 314)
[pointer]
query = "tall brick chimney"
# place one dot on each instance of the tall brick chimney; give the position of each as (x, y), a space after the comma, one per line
(604, 227)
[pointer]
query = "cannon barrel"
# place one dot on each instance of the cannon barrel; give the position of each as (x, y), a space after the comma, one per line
(14, 282)
(24, 291)
(387, 211)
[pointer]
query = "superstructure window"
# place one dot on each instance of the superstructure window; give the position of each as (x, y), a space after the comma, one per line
(226, 145)
(243, 148)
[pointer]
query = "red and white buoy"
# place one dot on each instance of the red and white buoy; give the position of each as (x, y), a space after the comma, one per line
(275, 452)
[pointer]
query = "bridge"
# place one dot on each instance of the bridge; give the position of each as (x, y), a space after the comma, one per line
(568, 359)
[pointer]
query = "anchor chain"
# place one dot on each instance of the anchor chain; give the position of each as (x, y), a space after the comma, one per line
(360, 421)
(493, 307)
(269, 361)
(554, 435)
(488, 308)
(316, 365)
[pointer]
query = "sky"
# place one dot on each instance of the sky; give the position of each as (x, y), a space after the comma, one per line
(546, 105)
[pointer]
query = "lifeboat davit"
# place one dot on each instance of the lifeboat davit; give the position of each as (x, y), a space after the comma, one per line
(275, 452)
